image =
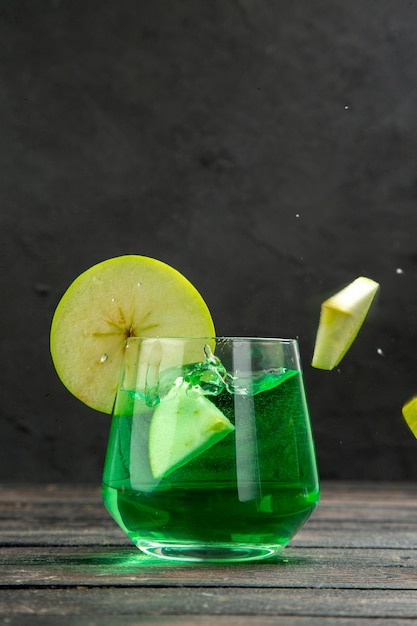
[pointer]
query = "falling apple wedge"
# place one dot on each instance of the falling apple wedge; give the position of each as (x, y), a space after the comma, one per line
(184, 425)
(341, 318)
(122, 297)
(409, 412)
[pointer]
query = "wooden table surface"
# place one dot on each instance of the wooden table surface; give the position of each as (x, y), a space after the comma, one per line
(64, 561)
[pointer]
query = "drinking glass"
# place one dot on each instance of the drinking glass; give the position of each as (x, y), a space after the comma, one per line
(210, 454)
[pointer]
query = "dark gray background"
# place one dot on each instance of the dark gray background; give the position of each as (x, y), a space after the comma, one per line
(266, 149)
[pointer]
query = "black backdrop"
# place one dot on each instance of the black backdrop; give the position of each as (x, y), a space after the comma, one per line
(267, 150)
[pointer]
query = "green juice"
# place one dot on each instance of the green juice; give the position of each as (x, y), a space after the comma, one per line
(249, 492)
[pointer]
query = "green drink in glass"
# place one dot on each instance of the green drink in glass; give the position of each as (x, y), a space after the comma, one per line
(210, 454)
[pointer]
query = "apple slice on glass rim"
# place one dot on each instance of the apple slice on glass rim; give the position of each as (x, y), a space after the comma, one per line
(126, 296)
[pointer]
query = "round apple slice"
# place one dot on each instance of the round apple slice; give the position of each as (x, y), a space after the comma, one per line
(127, 296)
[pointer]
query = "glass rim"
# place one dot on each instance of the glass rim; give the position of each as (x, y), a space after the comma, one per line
(250, 339)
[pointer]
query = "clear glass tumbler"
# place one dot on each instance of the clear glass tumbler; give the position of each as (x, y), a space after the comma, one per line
(210, 454)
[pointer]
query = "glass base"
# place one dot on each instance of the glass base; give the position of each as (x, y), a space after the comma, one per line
(216, 553)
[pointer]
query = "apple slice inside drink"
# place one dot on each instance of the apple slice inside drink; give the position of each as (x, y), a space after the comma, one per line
(119, 298)
(341, 318)
(184, 425)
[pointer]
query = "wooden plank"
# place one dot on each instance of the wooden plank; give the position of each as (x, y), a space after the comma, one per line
(54, 492)
(372, 516)
(200, 620)
(307, 568)
(67, 534)
(349, 534)
(210, 601)
(84, 513)
(354, 536)
(41, 515)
